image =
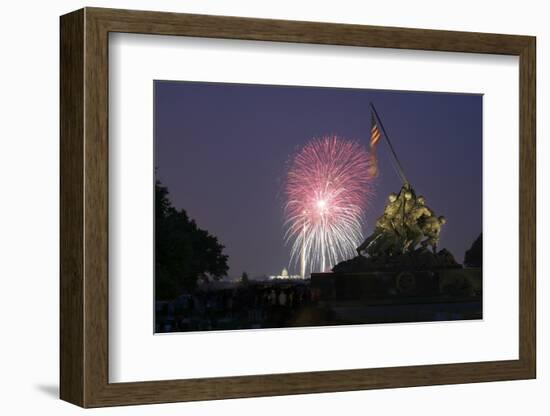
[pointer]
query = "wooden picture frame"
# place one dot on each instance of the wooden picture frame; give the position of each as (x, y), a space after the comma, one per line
(84, 207)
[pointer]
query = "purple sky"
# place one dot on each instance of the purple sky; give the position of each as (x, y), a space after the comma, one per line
(223, 151)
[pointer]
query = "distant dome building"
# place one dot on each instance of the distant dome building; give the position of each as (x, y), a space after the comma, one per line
(284, 275)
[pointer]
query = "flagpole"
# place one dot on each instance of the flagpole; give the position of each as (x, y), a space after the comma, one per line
(399, 167)
(303, 253)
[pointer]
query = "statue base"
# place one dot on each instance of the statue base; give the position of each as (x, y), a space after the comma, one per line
(420, 259)
(387, 297)
(418, 276)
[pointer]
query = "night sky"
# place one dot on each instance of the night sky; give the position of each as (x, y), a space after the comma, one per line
(223, 151)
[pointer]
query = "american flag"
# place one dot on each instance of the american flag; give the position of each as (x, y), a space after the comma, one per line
(374, 139)
(374, 132)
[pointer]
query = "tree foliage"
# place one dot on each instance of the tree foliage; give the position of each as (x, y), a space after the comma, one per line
(474, 255)
(184, 253)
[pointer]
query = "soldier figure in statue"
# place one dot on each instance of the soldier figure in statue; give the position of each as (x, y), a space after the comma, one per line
(383, 236)
(407, 202)
(418, 214)
(431, 228)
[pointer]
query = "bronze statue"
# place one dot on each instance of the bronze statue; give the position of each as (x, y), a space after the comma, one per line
(406, 221)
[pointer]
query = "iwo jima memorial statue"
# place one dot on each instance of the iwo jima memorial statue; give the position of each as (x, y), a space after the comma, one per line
(400, 274)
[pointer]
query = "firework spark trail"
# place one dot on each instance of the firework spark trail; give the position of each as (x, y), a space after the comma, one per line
(327, 189)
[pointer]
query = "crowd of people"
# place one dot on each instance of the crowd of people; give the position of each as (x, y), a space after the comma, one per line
(243, 306)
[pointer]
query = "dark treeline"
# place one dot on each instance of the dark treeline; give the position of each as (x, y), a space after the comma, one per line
(184, 253)
(474, 255)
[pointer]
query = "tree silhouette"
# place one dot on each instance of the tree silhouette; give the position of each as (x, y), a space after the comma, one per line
(184, 253)
(474, 255)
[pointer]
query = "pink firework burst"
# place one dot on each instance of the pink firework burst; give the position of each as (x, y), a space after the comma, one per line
(327, 190)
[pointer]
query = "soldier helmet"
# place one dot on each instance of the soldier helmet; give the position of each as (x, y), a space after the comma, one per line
(392, 197)
(442, 219)
(421, 200)
(408, 195)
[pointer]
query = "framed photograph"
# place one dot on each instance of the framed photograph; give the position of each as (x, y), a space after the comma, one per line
(257, 207)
